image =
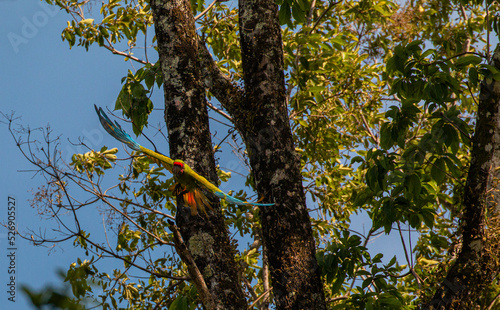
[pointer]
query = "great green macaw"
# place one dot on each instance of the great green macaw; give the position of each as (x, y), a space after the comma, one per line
(188, 182)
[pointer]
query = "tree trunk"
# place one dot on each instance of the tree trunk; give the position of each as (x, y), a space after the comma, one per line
(186, 117)
(261, 116)
(477, 263)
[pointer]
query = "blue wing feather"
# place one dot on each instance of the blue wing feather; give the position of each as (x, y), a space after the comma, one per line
(231, 199)
(116, 130)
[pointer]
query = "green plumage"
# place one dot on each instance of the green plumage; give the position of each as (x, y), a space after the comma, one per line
(188, 182)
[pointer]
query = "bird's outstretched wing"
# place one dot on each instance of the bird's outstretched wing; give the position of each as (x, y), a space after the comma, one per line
(115, 130)
(217, 192)
(118, 133)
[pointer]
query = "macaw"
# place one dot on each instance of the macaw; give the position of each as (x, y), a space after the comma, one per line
(188, 182)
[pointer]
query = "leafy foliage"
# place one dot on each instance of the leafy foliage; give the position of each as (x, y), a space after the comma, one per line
(381, 98)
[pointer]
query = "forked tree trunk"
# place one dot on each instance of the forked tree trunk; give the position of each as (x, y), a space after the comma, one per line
(260, 114)
(477, 263)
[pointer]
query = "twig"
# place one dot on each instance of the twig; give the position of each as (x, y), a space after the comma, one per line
(211, 106)
(265, 278)
(140, 206)
(493, 302)
(260, 297)
(97, 246)
(161, 241)
(417, 277)
(487, 32)
(249, 286)
(146, 44)
(206, 10)
(337, 298)
(472, 94)
(323, 14)
(117, 52)
(467, 40)
(369, 131)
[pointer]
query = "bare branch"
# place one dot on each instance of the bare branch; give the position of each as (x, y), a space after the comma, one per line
(117, 52)
(211, 106)
(206, 10)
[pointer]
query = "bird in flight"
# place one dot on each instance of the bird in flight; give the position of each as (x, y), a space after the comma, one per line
(188, 185)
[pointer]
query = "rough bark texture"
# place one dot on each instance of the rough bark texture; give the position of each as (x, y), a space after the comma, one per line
(260, 115)
(186, 117)
(477, 263)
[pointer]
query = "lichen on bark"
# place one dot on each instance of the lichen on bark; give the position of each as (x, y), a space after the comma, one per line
(186, 117)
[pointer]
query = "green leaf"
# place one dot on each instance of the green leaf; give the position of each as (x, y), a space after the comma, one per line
(386, 141)
(316, 89)
(303, 123)
(338, 40)
(298, 14)
(285, 14)
(123, 102)
(452, 167)
(304, 6)
(468, 60)
(427, 53)
(382, 10)
(372, 178)
(180, 303)
(438, 170)
(414, 45)
(413, 184)
(428, 218)
(88, 21)
(473, 76)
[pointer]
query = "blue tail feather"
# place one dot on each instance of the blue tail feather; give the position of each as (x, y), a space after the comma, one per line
(116, 130)
(231, 199)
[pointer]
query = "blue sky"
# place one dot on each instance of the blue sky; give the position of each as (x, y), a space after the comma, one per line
(45, 82)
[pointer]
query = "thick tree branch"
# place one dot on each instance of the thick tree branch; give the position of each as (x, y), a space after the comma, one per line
(220, 85)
